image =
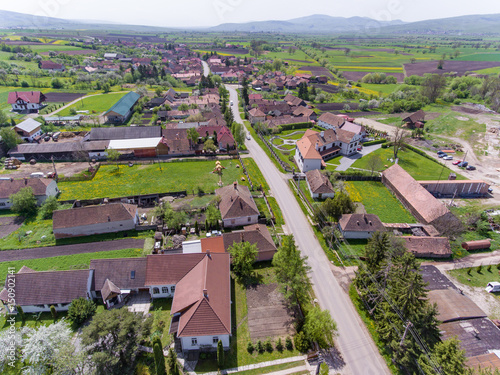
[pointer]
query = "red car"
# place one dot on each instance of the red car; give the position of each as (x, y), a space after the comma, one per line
(359, 148)
(456, 162)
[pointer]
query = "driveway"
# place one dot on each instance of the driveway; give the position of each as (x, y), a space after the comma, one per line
(347, 161)
(81, 248)
(354, 341)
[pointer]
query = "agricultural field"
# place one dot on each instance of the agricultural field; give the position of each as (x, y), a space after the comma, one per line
(94, 104)
(111, 181)
(378, 200)
(418, 166)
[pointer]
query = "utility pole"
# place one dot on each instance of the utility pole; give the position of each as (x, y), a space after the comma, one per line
(407, 327)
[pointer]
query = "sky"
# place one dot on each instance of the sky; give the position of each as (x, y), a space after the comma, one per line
(201, 13)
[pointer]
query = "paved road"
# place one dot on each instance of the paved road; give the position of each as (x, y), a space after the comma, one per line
(354, 341)
(206, 69)
(53, 251)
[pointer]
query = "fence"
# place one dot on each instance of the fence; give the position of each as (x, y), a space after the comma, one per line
(135, 199)
(283, 165)
(245, 171)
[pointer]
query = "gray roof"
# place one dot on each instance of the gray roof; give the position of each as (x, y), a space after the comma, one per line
(360, 223)
(59, 147)
(28, 125)
(124, 132)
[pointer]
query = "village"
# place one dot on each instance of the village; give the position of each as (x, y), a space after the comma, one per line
(240, 214)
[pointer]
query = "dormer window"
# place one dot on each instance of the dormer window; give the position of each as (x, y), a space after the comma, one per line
(132, 275)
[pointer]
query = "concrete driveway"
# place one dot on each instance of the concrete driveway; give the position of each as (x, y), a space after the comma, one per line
(347, 161)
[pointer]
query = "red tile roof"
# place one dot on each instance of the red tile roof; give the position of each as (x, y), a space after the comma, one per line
(170, 268)
(428, 246)
(93, 215)
(27, 96)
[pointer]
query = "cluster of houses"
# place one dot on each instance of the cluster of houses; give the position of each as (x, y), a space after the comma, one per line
(281, 81)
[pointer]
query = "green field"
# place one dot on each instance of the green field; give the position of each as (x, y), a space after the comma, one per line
(53, 47)
(94, 104)
(418, 166)
(378, 200)
(480, 57)
(456, 125)
(477, 279)
(148, 179)
(66, 262)
(255, 174)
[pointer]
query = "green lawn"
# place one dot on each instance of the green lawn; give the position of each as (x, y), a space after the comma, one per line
(147, 179)
(66, 262)
(378, 200)
(418, 166)
(255, 174)
(352, 249)
(384, 89)
(94, 104)
(160, 309)
(456, 125)
(475, 278)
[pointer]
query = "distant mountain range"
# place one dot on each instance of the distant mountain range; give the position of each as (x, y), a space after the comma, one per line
(320, 24)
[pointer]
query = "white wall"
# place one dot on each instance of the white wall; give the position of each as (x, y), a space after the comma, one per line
(326, 125)
(161, 294)
(357, 235)
(88, 230)
(46, 308)
(240, 221)
(203, 341)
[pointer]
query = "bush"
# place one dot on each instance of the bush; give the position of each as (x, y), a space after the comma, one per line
(80, 310)
(268, 345)
(53, 312)
(479, 268)
(289, 343)
(279, 345)
(301, 342)
(469, 270)
(375, 142)
(260, 347)
(498, 266)
(250, 347)
(48, 207)
(489, 268)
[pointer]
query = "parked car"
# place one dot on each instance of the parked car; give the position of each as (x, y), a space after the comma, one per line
(441, 153)
(360, 148)
(471, 168)
(493, 286)
(463, 164)
(248, 137)
(456, 162)
(448, 157)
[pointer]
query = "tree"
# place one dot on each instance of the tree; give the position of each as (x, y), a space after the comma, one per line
(113, 155)
(374, 163)
(193, 136)
(213, 216)
(335, 207)
(432, 86)
(57, 83)
(10, 139)
(113, 337)
(172, 366)
(158, 92)
(48, 207)
(448, 356)
(320, 327)
(399, 139)
(159, 357)
(243, 255)
(81, 309)
(301, 342)
(53, 312)
(291, 270)
(24, 202)
(209, 146)
(220, 354)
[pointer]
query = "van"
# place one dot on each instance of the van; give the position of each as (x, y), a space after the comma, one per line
(37, 175)
(492, 287)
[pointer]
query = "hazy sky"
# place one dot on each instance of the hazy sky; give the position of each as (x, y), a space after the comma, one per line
(181, 13)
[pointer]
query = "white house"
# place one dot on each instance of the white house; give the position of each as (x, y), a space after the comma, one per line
(90, 220)
(359, 226)
(28, 129)
(319, 185)
(26, 101)
(237, 206)
(42, 189)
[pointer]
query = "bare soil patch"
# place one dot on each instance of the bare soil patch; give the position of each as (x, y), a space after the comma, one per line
(66, 169)
(62, 97)
(460, 67)
(268, 314)
(317, 70)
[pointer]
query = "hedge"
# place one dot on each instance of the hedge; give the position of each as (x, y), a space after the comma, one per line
(376, 142)
(423, 153)
(299, 125)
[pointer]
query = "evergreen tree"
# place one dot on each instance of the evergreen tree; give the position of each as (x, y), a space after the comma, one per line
(159, 357)
(220, 354)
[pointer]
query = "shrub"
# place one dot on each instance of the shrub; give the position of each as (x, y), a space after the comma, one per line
(220, 354)
(250, 347)
(469, 270)
(279, 345)
(489, 268)
(268, 345)
(376, 142)
(301, 342)
(260, 347)
(80, 310)
(158, 356)
(498, 266)
(289, 343)
(479, 268)
(53, 312)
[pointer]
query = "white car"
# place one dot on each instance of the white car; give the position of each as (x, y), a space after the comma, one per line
(231, 102)
(448, 157)
(248, 137)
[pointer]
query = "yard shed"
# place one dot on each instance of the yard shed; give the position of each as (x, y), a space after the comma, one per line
(476, 245)
(140, 147)
(428, 247)
(122, 109)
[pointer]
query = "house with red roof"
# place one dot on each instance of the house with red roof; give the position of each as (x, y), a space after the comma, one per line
(26, 101)
(51, 66)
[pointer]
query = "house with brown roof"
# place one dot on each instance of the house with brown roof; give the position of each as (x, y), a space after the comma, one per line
(294, 101)
(305, 114)
(255, 115)
(237, 206)
(26, 101)
(421, 203)
(330, 121)
(316, 147)
(51, 66)
(319, 185)
(428, 247)
(415, 120)
(177, 141)
(36, 291)
(359, 226)
(42, 189)
(256, 234)
(90, 220)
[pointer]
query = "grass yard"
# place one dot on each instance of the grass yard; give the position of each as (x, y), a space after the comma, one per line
(273, 368)
(278, 215)
(147, 179)
(66, 262)
(456, 125)
(378, 200)
(94, 104)
(351, 249)
(255, 174)
(418, 166)
(332, 164)
(384, 89)
(160, 308)
(475, 278)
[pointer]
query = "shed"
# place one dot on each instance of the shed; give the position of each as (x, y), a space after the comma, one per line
(476, 245)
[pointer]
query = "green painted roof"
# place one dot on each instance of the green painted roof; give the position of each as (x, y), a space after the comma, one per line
(124, 105)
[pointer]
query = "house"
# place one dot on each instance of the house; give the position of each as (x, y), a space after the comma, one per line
(140, 147)
(155, 102)
(255, 115)
(256, 234)
(319, 185)
(305, 113)
(415, 120)
(114, 279)
(51, 66)
(90, 220)
(428, 247)
(120, 112)
(359, 226)
(222, 134)
(37, 291)
(294, 101)
(26, 101)
(237, 206)
(201, 307)
(28, 129)
(177, 141)
(330, 121)
(42, 189)
(421, 203)
(316, 147)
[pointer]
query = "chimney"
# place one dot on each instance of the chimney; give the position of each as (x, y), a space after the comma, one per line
(109, 218)
(322, 134)
(205, 293)
(208, 253)
(25, 181)
(357, 222)
(235, 185)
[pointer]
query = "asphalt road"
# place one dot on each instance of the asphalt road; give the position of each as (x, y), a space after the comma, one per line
(206, 69)
(354, 342)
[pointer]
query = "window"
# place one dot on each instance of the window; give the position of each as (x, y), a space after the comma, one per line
(249, 219)
(132, 275)
(172, 289)
(156, 290)
(194, 341)
(215, 340)
(233, 221)
(164, 289)
(2, 203)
